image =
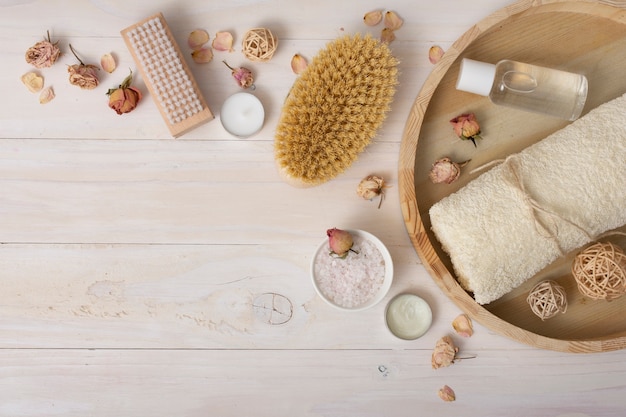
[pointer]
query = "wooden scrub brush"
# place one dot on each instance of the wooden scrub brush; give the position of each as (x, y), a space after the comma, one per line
(334, 109)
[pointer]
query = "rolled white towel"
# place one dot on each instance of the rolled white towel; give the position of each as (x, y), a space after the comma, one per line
(555, 196)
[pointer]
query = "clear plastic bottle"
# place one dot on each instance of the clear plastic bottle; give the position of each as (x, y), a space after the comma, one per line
(527, 87)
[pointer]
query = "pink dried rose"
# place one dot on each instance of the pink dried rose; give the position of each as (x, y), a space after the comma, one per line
(124, 98)
(466, 127)
(446, 394)
(83, 75)
(242, 75)
(444, 353)
(340, 242)
(462, 324)
(43, 54)
(444, 170)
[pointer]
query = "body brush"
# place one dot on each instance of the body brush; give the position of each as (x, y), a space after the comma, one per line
(334, 109)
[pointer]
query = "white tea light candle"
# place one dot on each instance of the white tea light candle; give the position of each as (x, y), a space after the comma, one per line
(408, 316)
(242, 115)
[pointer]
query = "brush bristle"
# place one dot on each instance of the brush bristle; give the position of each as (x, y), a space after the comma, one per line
(334, 109)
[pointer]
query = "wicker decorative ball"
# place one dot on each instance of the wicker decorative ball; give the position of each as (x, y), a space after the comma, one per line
(547, 299)
(259, 44)
(600, 271)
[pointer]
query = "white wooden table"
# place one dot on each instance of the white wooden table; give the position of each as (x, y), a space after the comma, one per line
(135, 267)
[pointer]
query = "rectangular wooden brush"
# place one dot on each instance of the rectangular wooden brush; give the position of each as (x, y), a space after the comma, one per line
(166, 74)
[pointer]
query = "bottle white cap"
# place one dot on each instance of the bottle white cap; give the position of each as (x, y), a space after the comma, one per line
(476, 77)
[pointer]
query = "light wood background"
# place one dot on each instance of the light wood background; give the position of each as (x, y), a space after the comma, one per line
(148, 276)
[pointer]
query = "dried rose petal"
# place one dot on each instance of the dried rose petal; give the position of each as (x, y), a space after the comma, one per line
(107, 62)
(202, 55)
(223, 41)
(33, 82)
(462, 324)
(298, 64)
(435, 53)
(197, 38)
(373, 18)
(387, 35)
(444, 353)
(446, 393)
(393, 21)
(46, 96)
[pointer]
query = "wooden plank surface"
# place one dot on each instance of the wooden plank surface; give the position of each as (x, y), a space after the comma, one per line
(145, 275)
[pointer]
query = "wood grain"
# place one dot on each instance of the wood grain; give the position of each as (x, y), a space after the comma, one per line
(142, 275)
(525, 31)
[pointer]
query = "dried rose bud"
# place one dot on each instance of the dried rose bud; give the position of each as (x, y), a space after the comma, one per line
(202, 55)
(298, 64)
(46, 96)
(124, 98)
(340, 242)
(435, 53)
(387, 35)
(466, 127)
(371, 187)
(107, 62)
(445, 170)
(43, 54)
(446, 393)
(197, 38)
(242, 75)
(33, 81)
(82, 75)
(462, 324)
(444, 353)
(223, 41)
(373, 18)
(393, 21)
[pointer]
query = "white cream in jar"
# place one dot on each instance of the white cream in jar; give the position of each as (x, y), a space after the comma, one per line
(408, 316)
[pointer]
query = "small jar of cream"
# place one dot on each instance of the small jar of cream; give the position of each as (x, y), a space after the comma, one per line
(408, 316)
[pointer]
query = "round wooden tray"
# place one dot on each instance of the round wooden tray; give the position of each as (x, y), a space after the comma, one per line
(583, 36)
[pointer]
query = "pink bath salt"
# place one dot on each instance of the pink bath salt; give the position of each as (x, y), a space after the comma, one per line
(354, 280)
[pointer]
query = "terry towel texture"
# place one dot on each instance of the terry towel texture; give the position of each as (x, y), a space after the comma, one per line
(553, 197)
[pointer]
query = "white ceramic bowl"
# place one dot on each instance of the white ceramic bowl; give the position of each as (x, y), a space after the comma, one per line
(375, 298)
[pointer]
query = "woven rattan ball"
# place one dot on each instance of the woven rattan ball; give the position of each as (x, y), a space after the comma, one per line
(547, 299)
(600, 271)
(259, 44)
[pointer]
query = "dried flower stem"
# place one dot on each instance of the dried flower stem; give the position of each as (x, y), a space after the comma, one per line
(74, 53)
